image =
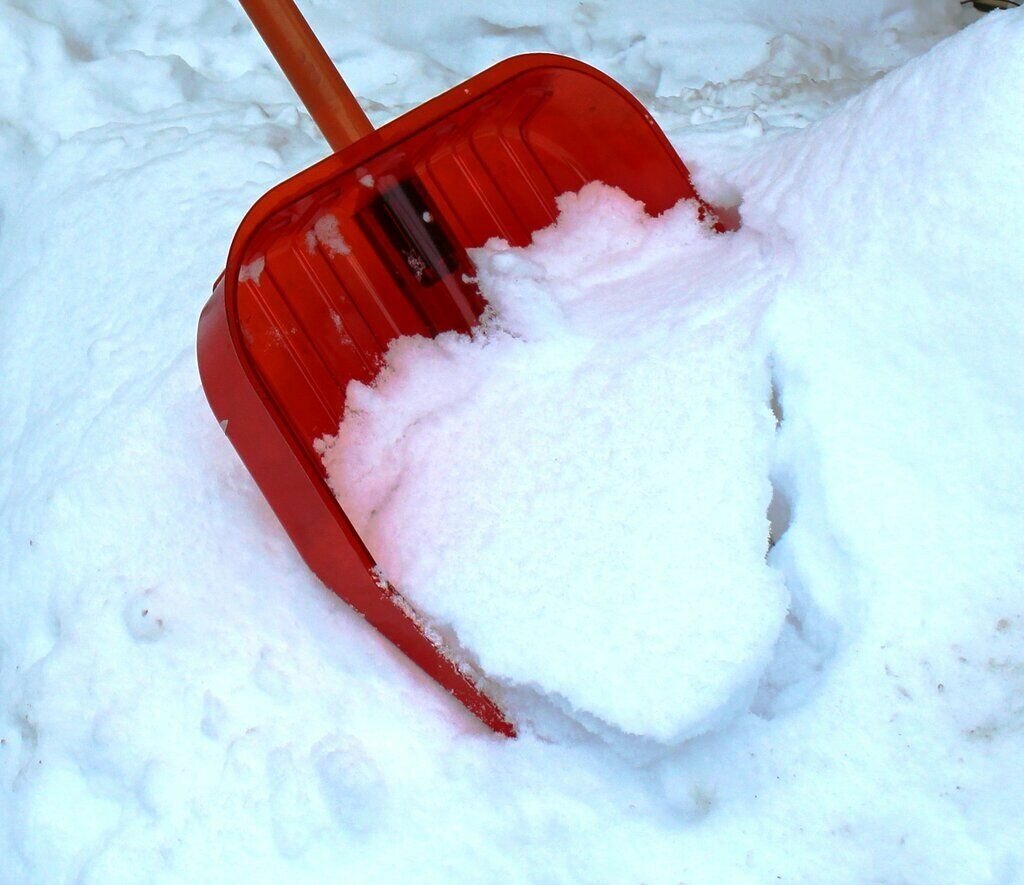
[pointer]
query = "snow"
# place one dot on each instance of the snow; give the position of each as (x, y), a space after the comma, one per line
(325, 233)
(588, 477)
(181, 700)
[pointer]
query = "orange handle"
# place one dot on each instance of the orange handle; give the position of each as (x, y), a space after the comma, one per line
(310, 70)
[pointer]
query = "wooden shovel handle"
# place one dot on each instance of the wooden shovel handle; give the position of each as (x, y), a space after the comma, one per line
(310, 70)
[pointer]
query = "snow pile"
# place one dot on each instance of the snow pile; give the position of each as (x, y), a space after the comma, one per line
(578, 493)
(898, 341)
(180, 700)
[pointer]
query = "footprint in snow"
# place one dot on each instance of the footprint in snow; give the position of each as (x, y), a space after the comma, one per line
(289, 804)
(351, 784)
(270, 677)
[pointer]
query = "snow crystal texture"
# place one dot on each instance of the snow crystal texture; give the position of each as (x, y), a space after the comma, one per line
(579, 492)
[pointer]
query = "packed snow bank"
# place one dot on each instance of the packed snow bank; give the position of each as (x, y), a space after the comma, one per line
(899, 336)
(578, 492)
(898, 349)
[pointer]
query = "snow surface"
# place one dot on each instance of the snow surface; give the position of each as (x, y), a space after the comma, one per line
(182, 701)
(578, 495)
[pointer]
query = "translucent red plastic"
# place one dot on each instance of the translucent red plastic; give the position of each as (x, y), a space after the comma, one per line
(321, 277)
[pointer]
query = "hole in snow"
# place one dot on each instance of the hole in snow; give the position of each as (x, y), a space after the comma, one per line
(779, 515)
(779, 508)
(808, 638)
(776, 403)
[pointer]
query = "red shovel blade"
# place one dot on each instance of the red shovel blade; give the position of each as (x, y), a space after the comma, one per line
(370, 244)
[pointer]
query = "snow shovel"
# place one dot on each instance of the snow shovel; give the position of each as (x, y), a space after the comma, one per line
(369, 244)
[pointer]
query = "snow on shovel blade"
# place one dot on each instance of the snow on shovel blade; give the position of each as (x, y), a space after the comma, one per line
(370, 244)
